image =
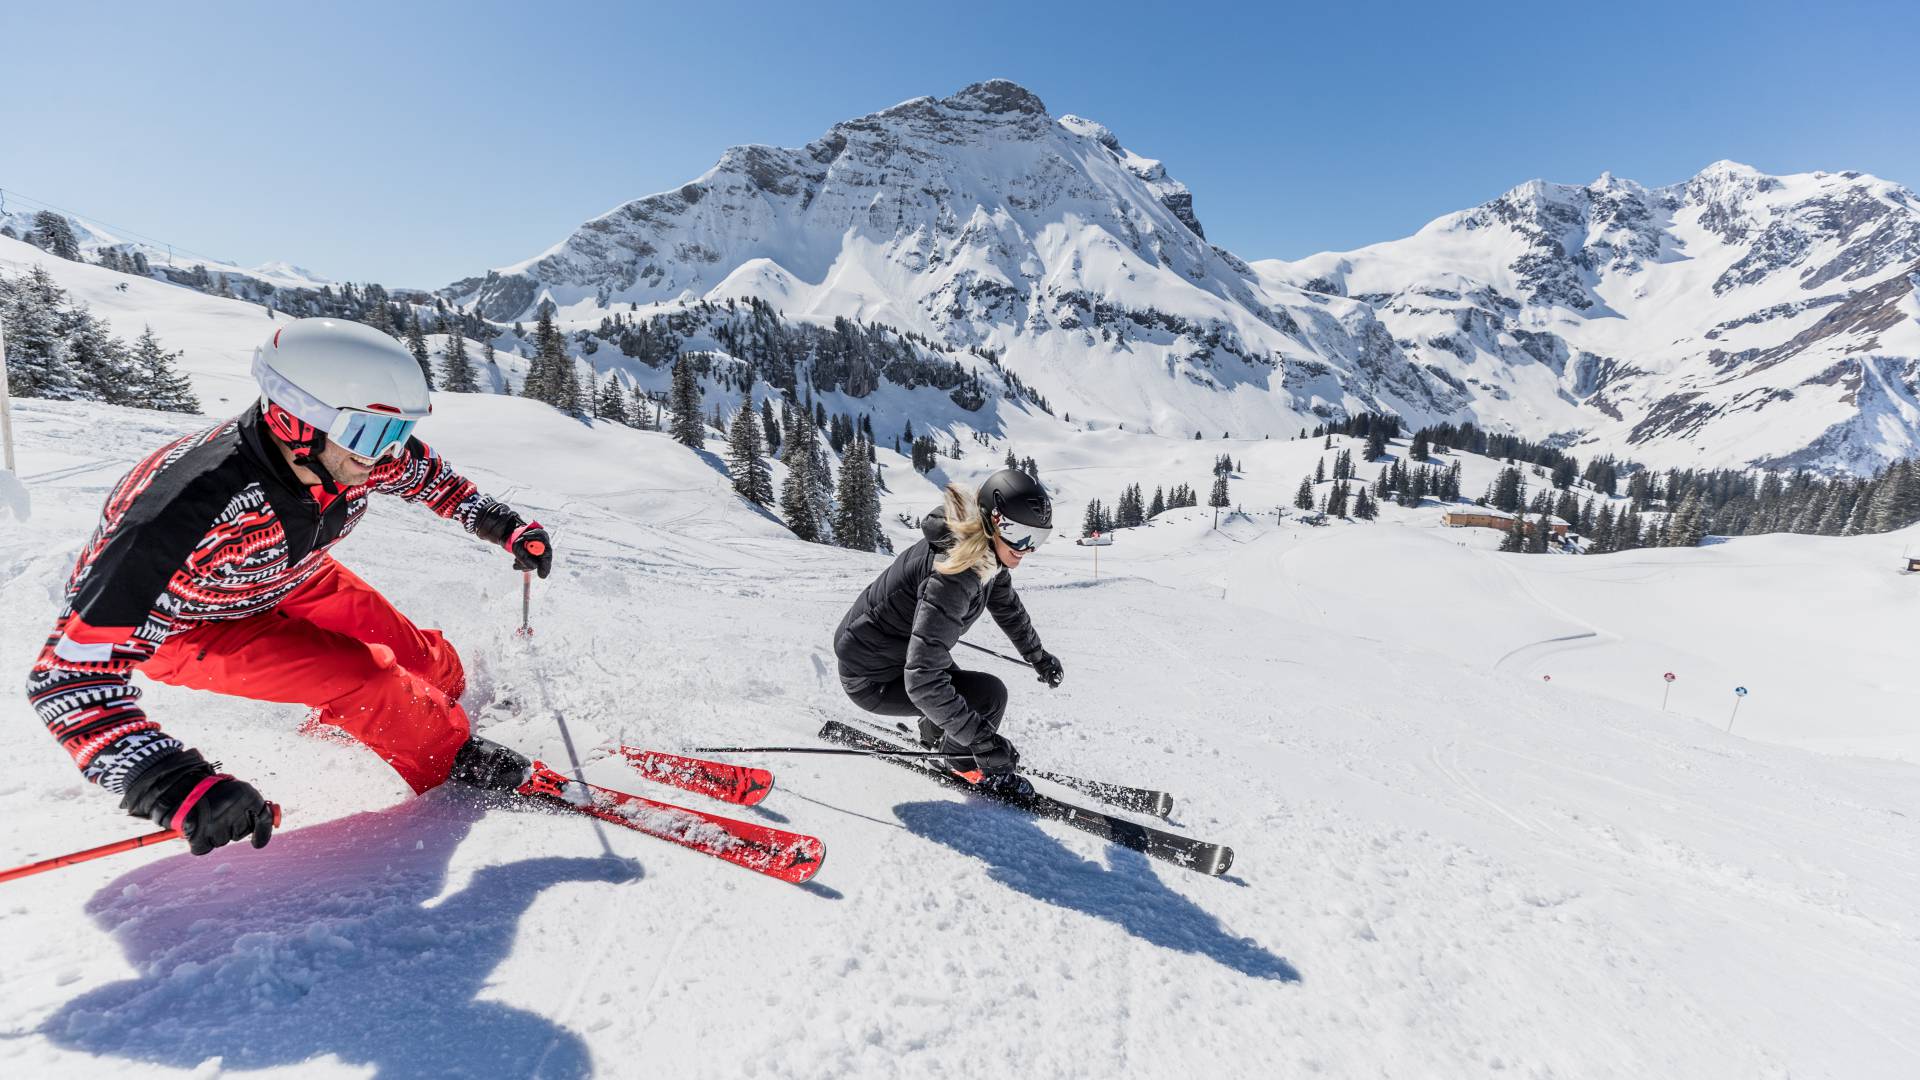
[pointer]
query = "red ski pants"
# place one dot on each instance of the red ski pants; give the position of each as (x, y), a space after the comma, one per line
(336, 644)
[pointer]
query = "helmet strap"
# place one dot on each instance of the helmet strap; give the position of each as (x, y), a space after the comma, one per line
(304, 439)
(307, 456)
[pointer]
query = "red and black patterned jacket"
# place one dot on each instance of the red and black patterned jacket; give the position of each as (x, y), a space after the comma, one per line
(212, 526)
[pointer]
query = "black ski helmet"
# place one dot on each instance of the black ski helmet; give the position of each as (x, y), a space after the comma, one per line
(1018, 497)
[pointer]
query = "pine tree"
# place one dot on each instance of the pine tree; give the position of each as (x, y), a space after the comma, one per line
(752, 479)
(770, 426)
(544, 368)
(1303, 498)
(1839, 509)
(417, 345)
(685, 403)
(1686, 527)
(1364, 507)
(1158, 506)
(456, 373)
(53, 233)
(38, 362)
(796, 499)
(1516, 538)
(1320, 470)
(1218, 498)
(100, 361)
(1807, 521)
(162, 386)
(1509, 491)
(1862, 506)
(1337, 499)
(1626, 530)
(611, 402)
(823, 487)
(806, 496)
(856, 522)
(1889, 500)
(1090, 523)
(583, 389)
(1376, 443)
(1537, 540)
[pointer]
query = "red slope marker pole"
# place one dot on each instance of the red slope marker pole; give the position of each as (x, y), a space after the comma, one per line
(101, 852)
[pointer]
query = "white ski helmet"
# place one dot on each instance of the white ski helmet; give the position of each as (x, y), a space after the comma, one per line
(329, 379)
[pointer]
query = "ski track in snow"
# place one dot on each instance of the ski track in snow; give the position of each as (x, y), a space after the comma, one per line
(1443, 869)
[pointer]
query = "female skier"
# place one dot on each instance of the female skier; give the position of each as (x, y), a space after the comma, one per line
(895, 644)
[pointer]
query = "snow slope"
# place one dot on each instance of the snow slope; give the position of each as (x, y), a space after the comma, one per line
(1446, 867)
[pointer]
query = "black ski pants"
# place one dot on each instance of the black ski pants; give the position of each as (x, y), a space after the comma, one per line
(986, 694)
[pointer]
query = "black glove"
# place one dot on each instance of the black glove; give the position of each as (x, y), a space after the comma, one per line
(526, 541)
(180, 790)
(1049, 667)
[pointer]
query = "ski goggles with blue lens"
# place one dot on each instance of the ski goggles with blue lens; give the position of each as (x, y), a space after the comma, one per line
(1025, 539)
(369, 434)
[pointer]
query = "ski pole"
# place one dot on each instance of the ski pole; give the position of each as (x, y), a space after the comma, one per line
(526, 605)
(1001, 655)
(115, 848)
(817, 750)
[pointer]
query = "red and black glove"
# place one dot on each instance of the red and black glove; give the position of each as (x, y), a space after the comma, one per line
(526, 541)
(531, 549)
(181, 791)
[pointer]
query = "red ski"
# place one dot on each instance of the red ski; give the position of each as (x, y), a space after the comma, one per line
(715, 779)
(774, 852)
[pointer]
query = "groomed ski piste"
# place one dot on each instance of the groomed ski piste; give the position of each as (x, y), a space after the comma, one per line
(1469, 841)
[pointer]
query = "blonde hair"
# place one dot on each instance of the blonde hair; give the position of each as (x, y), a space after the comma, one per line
(972, 548)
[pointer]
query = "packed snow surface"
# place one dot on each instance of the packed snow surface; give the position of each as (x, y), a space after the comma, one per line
(1446, 865)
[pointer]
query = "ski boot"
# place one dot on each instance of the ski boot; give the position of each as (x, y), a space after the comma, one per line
(489, 766)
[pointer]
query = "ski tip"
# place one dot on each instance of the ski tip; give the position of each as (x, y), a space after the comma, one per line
(755, 786)
(1163, 806)
(806, 861)
(1221, 863)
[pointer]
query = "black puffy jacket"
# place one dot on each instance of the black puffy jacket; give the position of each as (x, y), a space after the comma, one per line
(905, 625)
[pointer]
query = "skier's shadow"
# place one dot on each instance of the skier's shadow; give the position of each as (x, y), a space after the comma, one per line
(325, 945)
(1130, 895)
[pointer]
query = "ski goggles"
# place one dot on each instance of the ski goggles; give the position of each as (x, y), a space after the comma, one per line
(369, 434)
(1025, 539)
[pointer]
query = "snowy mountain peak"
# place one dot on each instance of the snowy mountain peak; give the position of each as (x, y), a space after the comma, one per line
(995, 103)
(981, 222)
(997, 97)
(1668, 320)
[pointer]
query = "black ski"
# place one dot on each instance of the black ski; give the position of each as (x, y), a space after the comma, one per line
(1198, 855)
(1137, 799)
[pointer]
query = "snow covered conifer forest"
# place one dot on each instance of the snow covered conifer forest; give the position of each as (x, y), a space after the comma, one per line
(1527, 603)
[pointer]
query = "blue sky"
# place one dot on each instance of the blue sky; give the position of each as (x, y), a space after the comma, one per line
(416, 143)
